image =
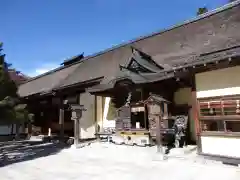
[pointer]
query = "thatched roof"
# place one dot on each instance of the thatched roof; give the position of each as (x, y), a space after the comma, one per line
(45, 84)
(177, 46)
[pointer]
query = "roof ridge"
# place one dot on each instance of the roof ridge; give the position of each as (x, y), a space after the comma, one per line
(197, 18)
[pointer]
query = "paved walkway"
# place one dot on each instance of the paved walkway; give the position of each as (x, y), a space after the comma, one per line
(108, 161)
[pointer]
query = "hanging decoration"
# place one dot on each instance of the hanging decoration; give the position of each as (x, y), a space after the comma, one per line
(128, 99)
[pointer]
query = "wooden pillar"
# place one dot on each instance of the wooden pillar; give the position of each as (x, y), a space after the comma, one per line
(29, 128)
(165, 110)
(103, 106)
(158, 132)
(195, 113)
(61, 121)
(96, 114)
(145, 117)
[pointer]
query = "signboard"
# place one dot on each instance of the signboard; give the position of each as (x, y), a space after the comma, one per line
(138, 109)
(154, 109)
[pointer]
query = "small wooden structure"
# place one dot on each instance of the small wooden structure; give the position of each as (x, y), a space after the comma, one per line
(157, 113)
(144, 119)
(157, 117)
(131, 124)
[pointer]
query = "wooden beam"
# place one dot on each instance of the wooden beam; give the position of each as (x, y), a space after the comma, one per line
(195, 114)
(95, 114)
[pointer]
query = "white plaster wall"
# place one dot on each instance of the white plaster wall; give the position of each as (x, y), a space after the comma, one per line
(88, 122)
(101, 122)
(109, 120)
(100, 112)
(109, 123)
(218, 82)
(221, 146)
(184, 96)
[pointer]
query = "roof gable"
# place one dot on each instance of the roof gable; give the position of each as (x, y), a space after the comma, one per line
(142, 63)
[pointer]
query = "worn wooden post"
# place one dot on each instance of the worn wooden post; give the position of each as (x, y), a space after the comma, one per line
(61, 121)
(158, 134)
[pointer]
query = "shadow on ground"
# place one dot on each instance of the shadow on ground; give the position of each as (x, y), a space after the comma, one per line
(14, 152)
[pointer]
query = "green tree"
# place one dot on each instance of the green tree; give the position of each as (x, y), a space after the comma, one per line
(202, 10)
(12, 111)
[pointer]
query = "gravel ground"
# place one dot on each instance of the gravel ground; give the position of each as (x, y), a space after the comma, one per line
(102, 161)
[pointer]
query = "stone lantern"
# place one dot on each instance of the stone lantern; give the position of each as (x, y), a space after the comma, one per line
(76, 117)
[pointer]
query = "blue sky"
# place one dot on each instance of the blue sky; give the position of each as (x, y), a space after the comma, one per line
(39, 34)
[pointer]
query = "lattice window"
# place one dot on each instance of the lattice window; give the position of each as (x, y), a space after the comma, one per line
(220, 114)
